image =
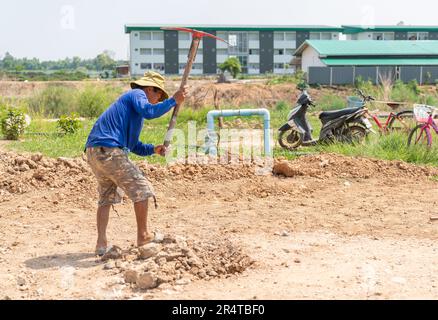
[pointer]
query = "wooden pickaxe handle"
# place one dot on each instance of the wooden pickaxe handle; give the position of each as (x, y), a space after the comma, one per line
(197, 36)
(191, 58)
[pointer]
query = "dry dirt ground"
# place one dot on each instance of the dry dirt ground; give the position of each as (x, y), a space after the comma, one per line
(322, 226)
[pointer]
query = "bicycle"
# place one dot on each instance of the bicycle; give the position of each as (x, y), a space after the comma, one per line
(422, 134)
(403, 120)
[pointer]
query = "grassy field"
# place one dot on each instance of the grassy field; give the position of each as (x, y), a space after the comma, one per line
(42, 137)
(54, 101)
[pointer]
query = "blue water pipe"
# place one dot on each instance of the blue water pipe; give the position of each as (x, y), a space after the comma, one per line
(211, 142)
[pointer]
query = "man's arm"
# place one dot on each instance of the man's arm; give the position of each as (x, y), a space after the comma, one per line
(142, 149)
(151, 111)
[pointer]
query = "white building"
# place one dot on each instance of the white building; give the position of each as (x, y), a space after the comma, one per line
(260, 49)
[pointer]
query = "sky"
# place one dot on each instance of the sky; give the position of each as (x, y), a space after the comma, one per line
(55, 29)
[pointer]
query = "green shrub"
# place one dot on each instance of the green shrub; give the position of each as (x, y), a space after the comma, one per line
(281, 106)
(232, 65)
(405, 92)
(13, 123)
(366, 87)
(93, 101)
(53, 101)
(299, 78)
(68, 124)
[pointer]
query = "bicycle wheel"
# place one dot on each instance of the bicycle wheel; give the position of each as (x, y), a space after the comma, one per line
(420, 137)
(403, 121)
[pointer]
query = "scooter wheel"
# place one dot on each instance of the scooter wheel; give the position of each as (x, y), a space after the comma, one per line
(290, 139)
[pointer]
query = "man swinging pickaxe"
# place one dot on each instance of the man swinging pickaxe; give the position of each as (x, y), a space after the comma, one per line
(197, 36)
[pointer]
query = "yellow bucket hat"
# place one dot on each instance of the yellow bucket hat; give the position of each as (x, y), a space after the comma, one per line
(152, 79)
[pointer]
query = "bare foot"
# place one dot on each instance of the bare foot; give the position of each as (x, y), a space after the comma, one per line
(101, 247)
(145, 239)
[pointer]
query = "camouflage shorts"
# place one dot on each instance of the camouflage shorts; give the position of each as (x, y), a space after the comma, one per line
(116, 175)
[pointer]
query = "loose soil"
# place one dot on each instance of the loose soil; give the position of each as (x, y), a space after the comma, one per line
(321, 226)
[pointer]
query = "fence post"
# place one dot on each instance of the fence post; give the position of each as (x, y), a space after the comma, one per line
(331, 76)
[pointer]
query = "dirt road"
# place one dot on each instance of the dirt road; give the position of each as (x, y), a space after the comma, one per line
(337, 227)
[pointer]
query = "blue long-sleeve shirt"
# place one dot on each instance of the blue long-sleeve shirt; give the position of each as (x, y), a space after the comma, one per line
(121, 124)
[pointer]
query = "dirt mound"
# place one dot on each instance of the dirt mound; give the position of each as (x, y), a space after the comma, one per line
(333, 165)
(178, 261)
(20, 174)
(23, 173)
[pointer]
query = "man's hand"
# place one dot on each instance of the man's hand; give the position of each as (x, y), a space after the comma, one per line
(180, 95)
(161, 150)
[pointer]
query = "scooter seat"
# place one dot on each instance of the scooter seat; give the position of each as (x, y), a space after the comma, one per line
(332, 115)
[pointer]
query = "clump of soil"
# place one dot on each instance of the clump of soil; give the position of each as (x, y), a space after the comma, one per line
(178, 261)
(332, 165)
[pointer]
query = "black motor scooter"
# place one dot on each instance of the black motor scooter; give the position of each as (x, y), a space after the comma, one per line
(347, 125)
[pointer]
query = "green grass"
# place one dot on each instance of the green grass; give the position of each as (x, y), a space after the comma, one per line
(387, 147)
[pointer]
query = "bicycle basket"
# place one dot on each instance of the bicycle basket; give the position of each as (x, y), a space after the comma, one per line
(422, 112)
(354, 102)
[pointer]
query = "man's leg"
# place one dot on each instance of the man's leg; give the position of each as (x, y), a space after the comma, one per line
(102, 224)
(141, 213)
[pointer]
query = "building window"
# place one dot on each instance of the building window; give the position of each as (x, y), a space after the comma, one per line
(232, 40)
(378, 36)
(253, 66)
(278, 52)
(145, 36)
(418, 35)
(354, 37)
(278, 65)
(182, 66)
(253, 36)
(158, 52)
(254, 52)
(146, 66)
(222, 35)
(290, 36)
(326, 36)
(183, 36)
(145, 52)
(289, 52)
(159, 35)
(278, 36)
(221, 52)
(239, 43)
(159, 66)
(389, 36)
(183, 52)
(197, 66)
(383, 36)
(315, 36)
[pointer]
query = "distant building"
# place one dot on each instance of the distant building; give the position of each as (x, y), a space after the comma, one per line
(342, 62)
(260, 49)
(399, 32)
(122, 71)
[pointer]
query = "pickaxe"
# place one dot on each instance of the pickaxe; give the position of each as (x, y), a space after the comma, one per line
(196, 39)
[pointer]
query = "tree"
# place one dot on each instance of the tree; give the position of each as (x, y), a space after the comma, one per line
(232, 65)
(104, 62)
(8, 61)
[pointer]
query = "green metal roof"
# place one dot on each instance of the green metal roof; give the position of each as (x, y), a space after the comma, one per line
(405, 28)
(367, 48)
(381, 62)
(141, 27)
